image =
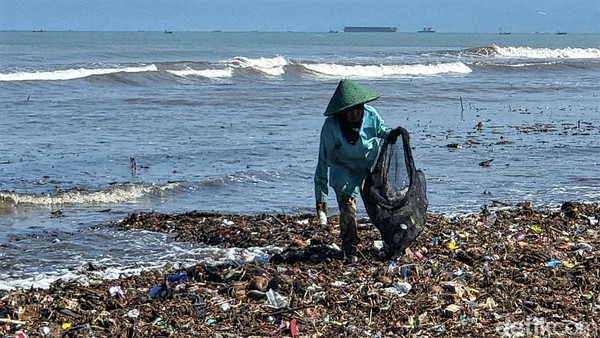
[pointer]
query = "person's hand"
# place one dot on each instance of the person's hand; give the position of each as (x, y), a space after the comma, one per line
(393, 135)
(322, 213)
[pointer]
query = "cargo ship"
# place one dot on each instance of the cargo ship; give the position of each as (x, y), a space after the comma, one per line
(426, 30)
(369, 29)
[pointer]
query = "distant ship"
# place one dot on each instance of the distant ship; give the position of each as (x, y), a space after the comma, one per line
(369, 29)
(426, 30)
(168, 31)
(561, 33)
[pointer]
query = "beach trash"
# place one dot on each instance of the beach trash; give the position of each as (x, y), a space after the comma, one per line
(392, 268)
(90, 331)
(276, 299)
(159, 292)
(552, 263)
(116, 291)
(294, 332)
(177, 276)
(455, 291)
(133, 313)
(400, 289)
(45, 331)
(259, 283)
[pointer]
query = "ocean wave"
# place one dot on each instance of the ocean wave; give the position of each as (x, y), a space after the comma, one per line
(205, 73)
(534, 53)
(113, 195)
(384, 71)
(73, 73)
(442, 63)
(274, 66)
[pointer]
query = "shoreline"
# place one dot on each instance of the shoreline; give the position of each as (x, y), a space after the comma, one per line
(483, 274)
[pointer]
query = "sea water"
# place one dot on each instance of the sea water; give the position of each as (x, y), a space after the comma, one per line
(95, 125)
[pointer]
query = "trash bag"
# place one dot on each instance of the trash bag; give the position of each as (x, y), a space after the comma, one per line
(396, 195)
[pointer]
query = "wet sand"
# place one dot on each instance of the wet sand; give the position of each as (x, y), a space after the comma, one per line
(512, 270)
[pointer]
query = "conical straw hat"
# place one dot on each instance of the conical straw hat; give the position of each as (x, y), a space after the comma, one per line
(348, 94)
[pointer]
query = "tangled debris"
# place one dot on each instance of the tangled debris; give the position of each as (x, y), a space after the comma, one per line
(519, 271)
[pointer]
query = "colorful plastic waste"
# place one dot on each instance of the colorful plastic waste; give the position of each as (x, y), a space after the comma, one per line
(553, 262)
(294, 332)
(176, 277)
(392, 268)
(159, 291)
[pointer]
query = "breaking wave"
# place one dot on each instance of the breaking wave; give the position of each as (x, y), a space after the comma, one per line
(268, 66)
(120, 194)
(534, 53)
(384, 71)
(448, 64)
(73, 73)
(205, 73)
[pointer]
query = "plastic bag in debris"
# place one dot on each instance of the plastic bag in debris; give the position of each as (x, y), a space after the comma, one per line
(396, 195)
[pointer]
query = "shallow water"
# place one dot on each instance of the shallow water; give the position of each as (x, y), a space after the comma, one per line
(229, 122)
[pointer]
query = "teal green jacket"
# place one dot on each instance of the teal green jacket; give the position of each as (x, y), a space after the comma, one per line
(347, 163)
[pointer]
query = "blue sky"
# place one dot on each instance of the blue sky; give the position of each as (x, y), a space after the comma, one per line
(484, 16)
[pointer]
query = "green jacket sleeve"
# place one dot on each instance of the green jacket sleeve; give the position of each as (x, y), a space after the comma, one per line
(382, 130)
(321, 181)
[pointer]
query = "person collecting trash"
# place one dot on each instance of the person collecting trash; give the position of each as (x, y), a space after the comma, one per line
(350, 141)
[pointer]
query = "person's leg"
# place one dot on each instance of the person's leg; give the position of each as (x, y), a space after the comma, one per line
(348, 225)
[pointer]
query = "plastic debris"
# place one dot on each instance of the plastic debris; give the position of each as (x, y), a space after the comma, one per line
(275, 299)
(294, 332)
(553, 262)
(489, 281)
(176, 277)
(392, 268)
(400, 289)
(116, 291)
(133, 313)
(45, 331)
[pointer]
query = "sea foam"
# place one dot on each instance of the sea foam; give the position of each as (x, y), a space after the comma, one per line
(121, 194)
(548, 53)
(382, 71)
(71, 74)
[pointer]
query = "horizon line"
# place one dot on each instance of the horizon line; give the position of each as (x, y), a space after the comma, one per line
(561, 32)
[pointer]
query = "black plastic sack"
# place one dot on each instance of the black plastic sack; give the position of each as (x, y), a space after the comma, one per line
(396, 198)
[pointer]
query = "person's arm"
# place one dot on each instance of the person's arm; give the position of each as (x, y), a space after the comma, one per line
(321, 179)
(382, 130)
(386, 132)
